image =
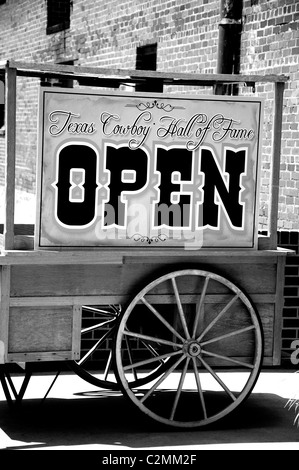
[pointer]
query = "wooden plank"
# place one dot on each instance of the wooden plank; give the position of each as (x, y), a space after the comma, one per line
(237, 318)
(154, 256)
(76, 331)
(114, 256)
(40, 329)
(263, 243)
(66, 300)
(44, 334)
(114, 72)
(85, 280)
(275, 169)
(108, 299)
(192, 258)
(234, 255)
(10, 155)
(21, 229)
(24, 242)
(267, 361)
(21, 242)
(100, 257)
(40, 356)
(4, 311)
(23, 236)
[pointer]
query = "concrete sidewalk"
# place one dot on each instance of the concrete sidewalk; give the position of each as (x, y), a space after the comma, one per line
(79, 416)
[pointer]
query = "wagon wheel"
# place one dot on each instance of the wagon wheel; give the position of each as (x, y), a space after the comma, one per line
(95, 365)
(204, 325)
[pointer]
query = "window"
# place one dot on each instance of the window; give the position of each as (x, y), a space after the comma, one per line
(146, 59)
(60, 81)
(1, 107)
(58, 15)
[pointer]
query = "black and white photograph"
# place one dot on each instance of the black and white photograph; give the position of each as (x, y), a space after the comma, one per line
(149, 228)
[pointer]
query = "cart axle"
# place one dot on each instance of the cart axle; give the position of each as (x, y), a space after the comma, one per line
(192, 348)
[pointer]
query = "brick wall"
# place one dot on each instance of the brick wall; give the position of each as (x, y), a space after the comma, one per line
(107, 34)
(290, 331)
(270, 44)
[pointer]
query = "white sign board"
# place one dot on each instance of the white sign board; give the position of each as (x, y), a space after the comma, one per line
(154, 170)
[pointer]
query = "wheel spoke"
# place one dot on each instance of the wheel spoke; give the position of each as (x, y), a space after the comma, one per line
(227, 335)
(202, 400)
(108, 365)
(151, 350)
(97, 310)
(130, 357)
(96, 327)
(180, 308)
(164, 377)
(151, 360)
(200, 305)
(222, 384)
(223, 311)
(227, 358)
(179, 390)
(159, 316)
(95, 346)
(117, 309)
(152, 338)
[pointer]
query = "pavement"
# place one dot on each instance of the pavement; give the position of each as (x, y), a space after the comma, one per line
(78, 416)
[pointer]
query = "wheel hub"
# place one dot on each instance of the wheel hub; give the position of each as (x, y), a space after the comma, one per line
(193, 348)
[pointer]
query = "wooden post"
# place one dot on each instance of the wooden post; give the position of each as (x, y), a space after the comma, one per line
(4, 310)
(10, 155)
(275, 167)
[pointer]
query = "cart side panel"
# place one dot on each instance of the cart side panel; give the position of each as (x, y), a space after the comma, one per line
(44, 333)
(42, 290)
(87, 280)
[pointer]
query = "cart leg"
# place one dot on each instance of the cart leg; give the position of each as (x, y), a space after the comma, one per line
(13, 397)
(11, 384)
(20, 395)
(49, 389)
(4, 385)
(5, 378)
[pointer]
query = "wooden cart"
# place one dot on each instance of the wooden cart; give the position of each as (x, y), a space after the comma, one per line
(173, 321)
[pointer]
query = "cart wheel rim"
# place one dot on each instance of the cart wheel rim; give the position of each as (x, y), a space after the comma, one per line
(98, 328)
(96, 365)
(190, 350)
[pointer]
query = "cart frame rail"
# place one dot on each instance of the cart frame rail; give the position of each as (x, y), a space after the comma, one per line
(114, 77)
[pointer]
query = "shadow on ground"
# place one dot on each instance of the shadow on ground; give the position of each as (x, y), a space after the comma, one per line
(108, 420)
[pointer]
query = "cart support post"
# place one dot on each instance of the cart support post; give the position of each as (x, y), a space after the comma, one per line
(275, 167)
(4, 311)
(10, 153)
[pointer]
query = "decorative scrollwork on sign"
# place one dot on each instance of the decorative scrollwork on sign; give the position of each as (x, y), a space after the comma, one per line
(137, 237)
(155, 104)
